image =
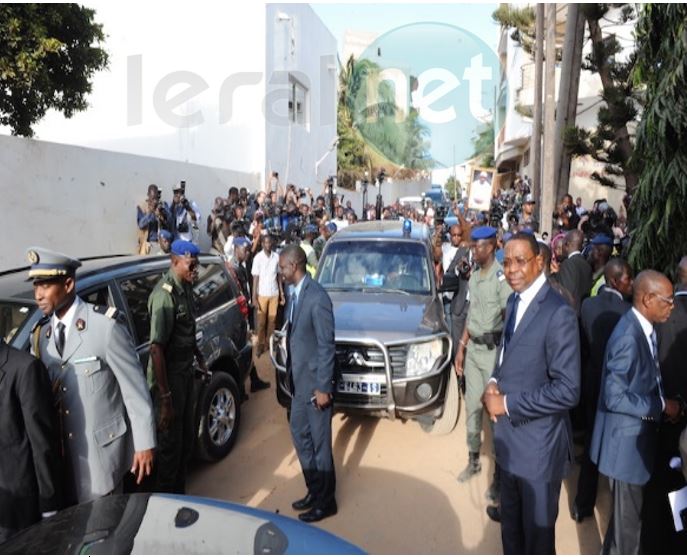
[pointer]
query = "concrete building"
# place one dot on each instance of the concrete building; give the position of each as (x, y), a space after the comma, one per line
(300, 96)
(515, 103)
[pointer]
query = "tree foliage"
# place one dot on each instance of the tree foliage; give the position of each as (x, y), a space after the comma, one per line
(659, 207)
(484, 145)
(48, 55)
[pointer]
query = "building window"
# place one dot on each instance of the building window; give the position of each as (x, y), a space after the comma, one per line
(298, 103)
(526, 158)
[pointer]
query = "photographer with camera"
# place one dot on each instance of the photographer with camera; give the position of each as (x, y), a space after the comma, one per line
(152, 218)
(215, 225)
(479, 346)
(185, 215)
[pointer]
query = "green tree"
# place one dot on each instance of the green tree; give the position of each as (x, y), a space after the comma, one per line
(659, 207)
(453, 187)
(48, 55)
(483, 143)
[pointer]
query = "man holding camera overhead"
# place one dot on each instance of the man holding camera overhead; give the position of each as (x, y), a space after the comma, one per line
(476, 353)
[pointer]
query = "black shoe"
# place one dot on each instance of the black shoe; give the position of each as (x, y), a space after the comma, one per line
(578, 515)
(494, 513)
(492, 493)
(317, 514)
(258, 385)
(303, 504)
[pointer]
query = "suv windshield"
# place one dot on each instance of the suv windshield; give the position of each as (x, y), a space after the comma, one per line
(12, 317)
(376, 265)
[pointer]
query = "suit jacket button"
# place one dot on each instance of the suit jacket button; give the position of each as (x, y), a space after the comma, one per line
(66, 412)
(64, 389)
(70, 435)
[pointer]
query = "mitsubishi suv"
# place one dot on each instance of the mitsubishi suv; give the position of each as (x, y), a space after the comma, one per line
(393, 347)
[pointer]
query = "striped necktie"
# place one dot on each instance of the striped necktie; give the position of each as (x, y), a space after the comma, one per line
(654, 349)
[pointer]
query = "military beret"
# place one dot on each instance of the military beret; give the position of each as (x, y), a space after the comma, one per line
(601, 240)
(47, 264)
(184, 248)
(483, 233)
(331, 226)
(240, 242)
(166, 234)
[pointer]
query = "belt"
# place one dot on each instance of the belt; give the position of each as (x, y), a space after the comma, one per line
(490, 340)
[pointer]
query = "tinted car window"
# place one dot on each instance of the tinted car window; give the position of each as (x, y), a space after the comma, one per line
(100, 297)
(211, 289)
(136, 291)
(12, 317)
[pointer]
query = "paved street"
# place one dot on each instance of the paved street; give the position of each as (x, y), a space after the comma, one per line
(396, 484)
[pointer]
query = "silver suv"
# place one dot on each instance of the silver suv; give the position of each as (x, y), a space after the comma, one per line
(393, 346)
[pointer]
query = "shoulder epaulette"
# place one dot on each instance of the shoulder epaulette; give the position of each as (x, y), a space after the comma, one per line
(167, 287)
(42, 321)
(108, 311)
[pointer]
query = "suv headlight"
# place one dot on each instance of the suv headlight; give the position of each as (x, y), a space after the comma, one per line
(423, 356)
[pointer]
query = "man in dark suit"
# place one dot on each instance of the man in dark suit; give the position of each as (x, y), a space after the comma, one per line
(534, 385)
(658, 533)
(630, 405)
(575, 274)
(29, 461)
(310, 368)
(598, 317)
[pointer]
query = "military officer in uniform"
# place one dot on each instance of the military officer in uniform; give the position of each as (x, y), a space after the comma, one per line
(488, 292)
(170, 366)
(105, 412)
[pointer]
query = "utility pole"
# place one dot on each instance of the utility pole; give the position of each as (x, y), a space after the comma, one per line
(536, 129)
(566, 111)
(548, 189)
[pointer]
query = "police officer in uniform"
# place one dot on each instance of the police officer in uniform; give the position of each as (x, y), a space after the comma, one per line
(488, 292)
(105, 413)
(170, 366)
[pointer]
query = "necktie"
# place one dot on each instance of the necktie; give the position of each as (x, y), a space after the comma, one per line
(654, 349)
(294, 301)
(59, 338)
(510, 326)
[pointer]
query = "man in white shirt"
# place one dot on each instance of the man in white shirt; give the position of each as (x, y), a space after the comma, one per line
(268, 293)
(341, 221)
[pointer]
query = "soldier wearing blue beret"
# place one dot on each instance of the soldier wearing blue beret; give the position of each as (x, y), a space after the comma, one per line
(105, 412)
(170, 366)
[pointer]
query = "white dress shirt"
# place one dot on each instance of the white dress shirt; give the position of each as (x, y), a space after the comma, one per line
(648, 330)
(67, 319)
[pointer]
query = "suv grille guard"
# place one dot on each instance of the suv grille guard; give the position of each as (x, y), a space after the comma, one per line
(280, 336)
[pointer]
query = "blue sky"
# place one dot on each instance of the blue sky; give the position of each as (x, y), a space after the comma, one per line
(380, 18)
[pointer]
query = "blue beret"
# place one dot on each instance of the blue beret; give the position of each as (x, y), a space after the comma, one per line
(184, 248)
(602, 240)
(483, 233)
(47, 264)
(527, 230)
(331, 226)
(507, 236)
(240, 242)
(166, 234)
(311, 229)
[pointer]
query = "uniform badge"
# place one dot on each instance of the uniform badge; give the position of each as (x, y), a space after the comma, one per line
(33, 257)
(500, 276)
(167, 287)
(48, 332)
(80, 324)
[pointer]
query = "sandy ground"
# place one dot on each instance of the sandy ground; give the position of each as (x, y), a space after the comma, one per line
(396, 485)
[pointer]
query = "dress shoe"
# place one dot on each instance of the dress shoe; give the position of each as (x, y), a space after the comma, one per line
(578, 515)
(303, 504)
(258, 385)
(492, 493)
(494, 513)
(317, 514)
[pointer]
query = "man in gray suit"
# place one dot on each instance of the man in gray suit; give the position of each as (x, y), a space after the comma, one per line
(310, 368)
(104, 406)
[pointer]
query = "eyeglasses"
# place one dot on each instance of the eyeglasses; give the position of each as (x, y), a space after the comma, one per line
(517, 263)
(670, 301)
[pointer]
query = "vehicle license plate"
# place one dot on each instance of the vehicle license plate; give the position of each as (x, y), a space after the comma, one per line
(360, 387)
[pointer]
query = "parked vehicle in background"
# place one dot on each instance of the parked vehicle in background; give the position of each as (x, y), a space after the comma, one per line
(125, 283)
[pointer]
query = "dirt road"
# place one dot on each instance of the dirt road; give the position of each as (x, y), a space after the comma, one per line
(396, 485)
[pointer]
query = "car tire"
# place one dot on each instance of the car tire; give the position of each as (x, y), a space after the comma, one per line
(449, 418)
(220, 416)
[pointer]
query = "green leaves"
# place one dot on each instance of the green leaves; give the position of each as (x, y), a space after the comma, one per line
(48, 55)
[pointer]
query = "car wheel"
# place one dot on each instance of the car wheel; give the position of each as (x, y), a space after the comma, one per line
(220, 415)
(449, 418)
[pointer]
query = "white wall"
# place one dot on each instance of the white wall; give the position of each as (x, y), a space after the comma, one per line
(83, 201)
(299, 43)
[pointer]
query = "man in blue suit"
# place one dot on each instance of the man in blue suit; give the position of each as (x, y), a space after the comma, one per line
(535, 383)
(310, 368)
(630, 405)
